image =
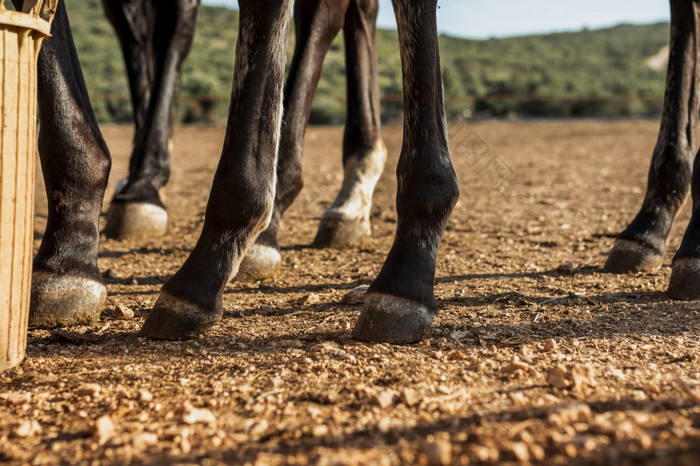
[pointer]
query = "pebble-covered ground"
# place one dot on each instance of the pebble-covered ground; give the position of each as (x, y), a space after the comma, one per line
(536, 355)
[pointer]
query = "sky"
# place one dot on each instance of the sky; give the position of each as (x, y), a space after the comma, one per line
(482, 19)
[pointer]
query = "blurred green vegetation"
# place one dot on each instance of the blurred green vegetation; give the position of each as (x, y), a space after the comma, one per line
(597, 63)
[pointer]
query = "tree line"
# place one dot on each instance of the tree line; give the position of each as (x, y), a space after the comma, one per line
(589, 68)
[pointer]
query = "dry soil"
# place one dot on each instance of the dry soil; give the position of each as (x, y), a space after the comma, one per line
(536, 355)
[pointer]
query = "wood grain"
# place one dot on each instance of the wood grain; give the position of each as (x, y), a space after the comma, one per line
(19, 47)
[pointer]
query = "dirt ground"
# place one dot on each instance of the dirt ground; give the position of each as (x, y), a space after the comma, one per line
(535, 354)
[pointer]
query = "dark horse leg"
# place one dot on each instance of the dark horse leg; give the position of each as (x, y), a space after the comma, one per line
(156, 36)
(641, 246)
(400, 303)
(190, 302)
(346, 222)
(316, 22)
(67, 287)
(685, 277)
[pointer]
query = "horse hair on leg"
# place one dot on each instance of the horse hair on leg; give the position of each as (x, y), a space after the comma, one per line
(67, 286)
(191, 301)
(317, 22)
(155, 36)
(642, 245)
(685, 275)
(400, 303)
(346, 222)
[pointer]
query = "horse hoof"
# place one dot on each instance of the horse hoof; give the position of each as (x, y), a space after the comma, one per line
(339, 231)
(135, 220)
(629, 256)
(173, 318)
(260, 262)
(391, 319)
(685, 279)
(62, 301)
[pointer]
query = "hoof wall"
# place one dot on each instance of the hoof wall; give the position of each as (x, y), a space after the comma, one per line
(260, 262)
(135, 220)
(629, 256)
(339, 231)
(176, 319)
(685, 279)
(392, 320)
(63, 301)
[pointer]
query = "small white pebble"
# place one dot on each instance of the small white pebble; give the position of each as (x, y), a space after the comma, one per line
(103, 429)
(192, 415)
(145, 395)
(356, 295)
(27, 429)
(123, 313)
(319, 430)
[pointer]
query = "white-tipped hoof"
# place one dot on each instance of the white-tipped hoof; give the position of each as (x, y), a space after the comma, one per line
(392, 319)
(346, 222)
(173, 318)
(62, 301)
(685, 279)
(135, 220)
(260, 262)
(338, 230)
(629, 256)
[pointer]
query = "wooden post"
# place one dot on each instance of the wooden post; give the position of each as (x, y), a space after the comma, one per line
(21, 34)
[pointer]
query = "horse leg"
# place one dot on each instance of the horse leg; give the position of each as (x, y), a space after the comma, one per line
(346, 221)
(133, 21)
(67, 287)
(156, 36)
(242, 196)
(400, 304)
(685, 275)
(317, 22)
(641, 246)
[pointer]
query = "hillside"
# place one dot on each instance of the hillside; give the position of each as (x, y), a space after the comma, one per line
(588, 63)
